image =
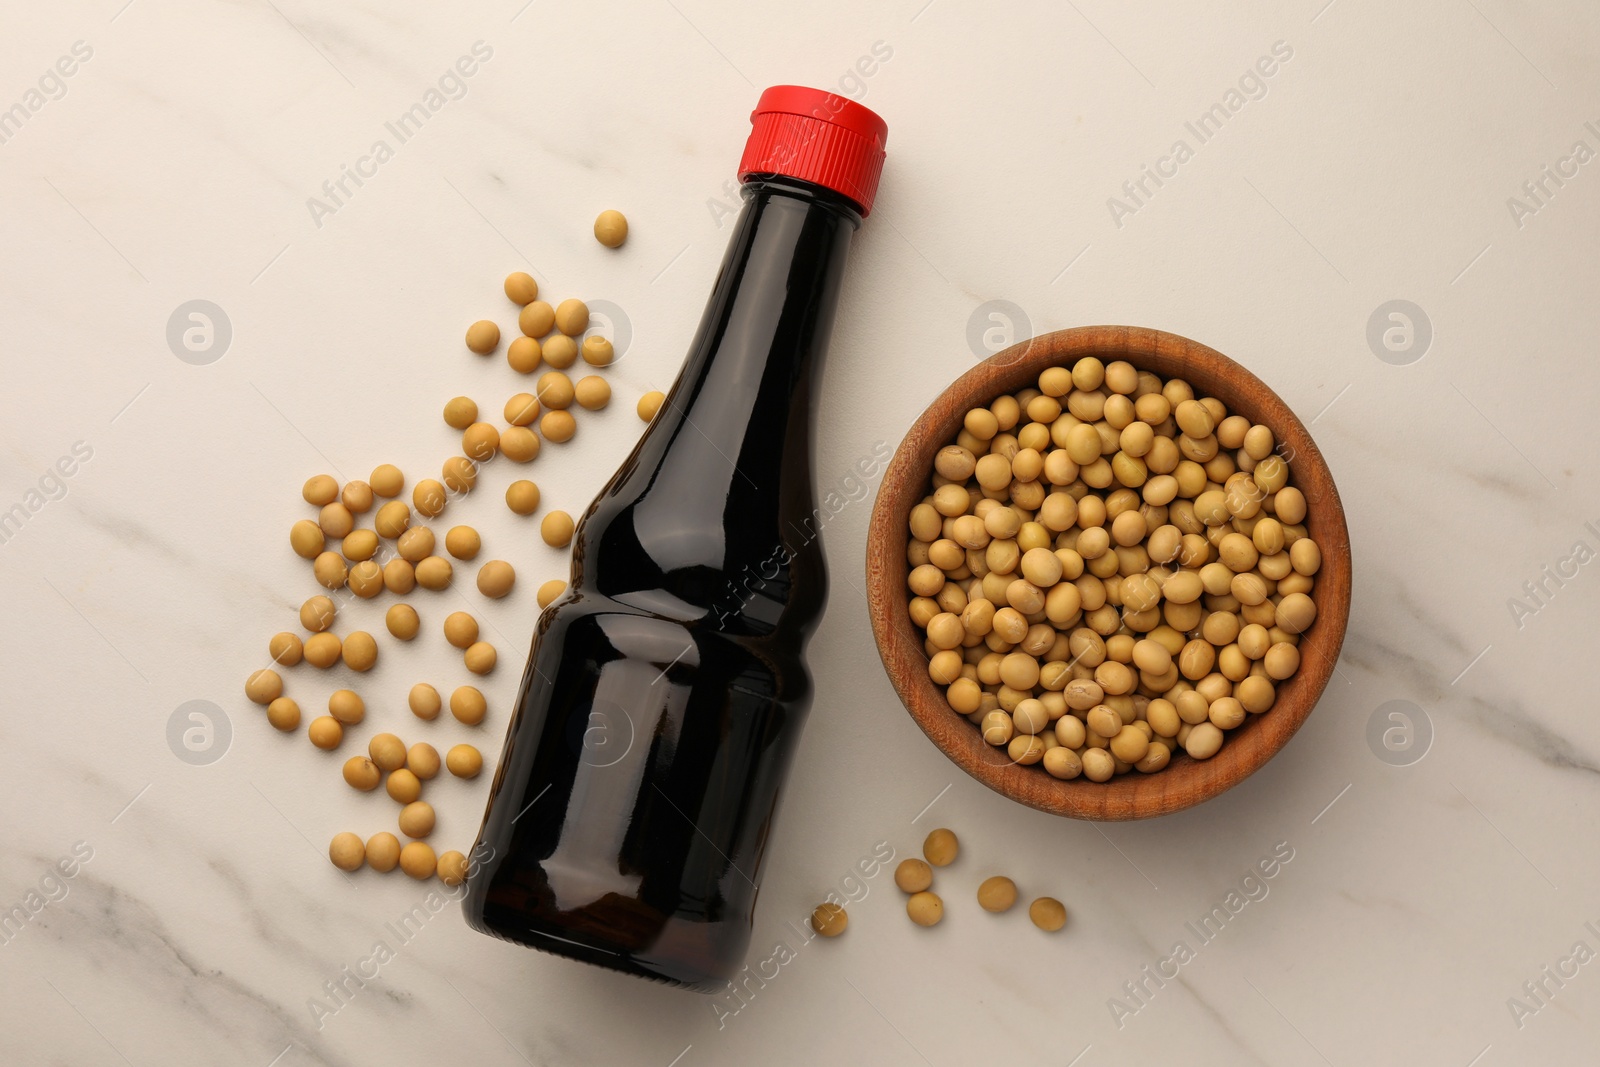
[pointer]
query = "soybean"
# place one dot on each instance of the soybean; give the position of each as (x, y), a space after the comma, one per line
(307, 539)
(496, 578)
(941, 847)
(555, 390)
(402, 621)
(416, 544)
(460, 475)
(460, 629)
(592, 392)
(1048, 914)
(560, 351)
(452, 868)
(598, 351)
(462, 542)
(330, 570)
(523, 354)
(383, 851)
(422, 760)
(913, 875)
(468, 705)
(536, 319)
(402, 786)
(480, 441)
(434, 573)
(997, 894)
(463, 761)
(264, 686)
(335, 520)
(521, 288)
(522, 497)
(399, 576)
(418, 860)
(392, 519)
(460, 412)
(359, 546)
(388, 751)
(325, 732)
(610, 228)
(347, 707)
(556, 529)
(287, 648)
(417, 819)
(386, 480)
(356, 496)
(558, 426)
(361, 773)
(522, 409)
(479, 657)
(360, 651)
(828, 919)
(284, 714)
(347, 851)
(429, 497)
(519, 444)
(366, 579)
(925, 908)
(320, 490)
(483, 337)
(323, 650)
(424, 701)
(572, 317)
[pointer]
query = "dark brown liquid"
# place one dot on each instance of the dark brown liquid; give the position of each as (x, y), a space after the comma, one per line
(666, 691)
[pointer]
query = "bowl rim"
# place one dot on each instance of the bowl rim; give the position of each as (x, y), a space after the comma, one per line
(1185, 782)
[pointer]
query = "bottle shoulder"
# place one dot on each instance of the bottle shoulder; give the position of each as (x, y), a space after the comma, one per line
(741, 577)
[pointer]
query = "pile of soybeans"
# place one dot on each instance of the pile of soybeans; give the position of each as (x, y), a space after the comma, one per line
(1110, 569)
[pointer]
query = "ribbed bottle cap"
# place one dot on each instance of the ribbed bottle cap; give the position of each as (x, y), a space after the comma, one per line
(819, 137)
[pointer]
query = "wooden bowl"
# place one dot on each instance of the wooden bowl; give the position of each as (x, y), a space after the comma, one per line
(1185, 781)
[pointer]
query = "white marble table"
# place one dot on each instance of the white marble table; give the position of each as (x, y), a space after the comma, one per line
(1377, 161)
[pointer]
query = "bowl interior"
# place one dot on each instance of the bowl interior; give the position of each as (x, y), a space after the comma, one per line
(1185, 781)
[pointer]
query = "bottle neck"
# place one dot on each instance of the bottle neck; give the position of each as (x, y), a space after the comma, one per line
(745, 389)
(721, 483)
(771, 312)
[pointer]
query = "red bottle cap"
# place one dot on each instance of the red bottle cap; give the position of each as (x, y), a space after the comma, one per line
(819, 137)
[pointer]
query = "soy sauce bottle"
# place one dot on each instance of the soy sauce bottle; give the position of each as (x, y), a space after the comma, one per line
(666, 690)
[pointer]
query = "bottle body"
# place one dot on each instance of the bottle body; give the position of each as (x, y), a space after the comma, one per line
(666, 689)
